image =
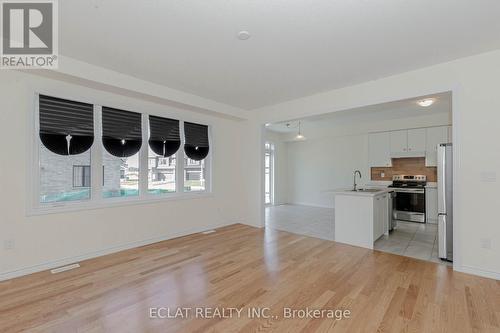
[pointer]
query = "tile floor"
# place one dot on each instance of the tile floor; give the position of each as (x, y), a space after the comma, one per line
(416, 240)
(408, 239)
(303, 220)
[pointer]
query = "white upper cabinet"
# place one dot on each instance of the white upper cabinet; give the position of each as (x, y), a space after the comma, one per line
(416, 140)
(435, 136)
(408, 143)
(399, 142)
(379, 149)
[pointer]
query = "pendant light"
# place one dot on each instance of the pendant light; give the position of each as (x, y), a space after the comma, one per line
(299, 136)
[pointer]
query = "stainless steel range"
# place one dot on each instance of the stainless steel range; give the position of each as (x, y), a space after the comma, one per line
(409, 202)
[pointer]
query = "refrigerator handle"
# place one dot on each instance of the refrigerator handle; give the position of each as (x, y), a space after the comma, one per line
(441, 171)
(442, 251)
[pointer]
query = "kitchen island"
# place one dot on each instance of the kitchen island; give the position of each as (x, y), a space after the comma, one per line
(362, 216)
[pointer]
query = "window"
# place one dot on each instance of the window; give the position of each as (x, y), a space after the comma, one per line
(121, 176)
(66, 133)
(194, 175)
(196, 148)
(122, 140)
(81, 175)
(161, 174)
(138, 156)
(164, 142)
(57, 177)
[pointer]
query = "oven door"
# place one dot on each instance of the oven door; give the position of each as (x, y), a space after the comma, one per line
(409, 205)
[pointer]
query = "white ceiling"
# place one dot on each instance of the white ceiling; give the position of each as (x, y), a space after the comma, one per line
(373, 113)
(297, 47)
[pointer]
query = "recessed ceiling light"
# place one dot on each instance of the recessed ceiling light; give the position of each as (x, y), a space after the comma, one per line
(243, 35)
(268, 124)
(426, 102)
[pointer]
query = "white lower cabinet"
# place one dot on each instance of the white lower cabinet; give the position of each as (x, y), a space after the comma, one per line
(360, 219)
(380, 215)
(431, 205)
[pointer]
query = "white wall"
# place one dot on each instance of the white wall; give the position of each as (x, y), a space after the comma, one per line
(48, 240)
(331, 153)
(320, 165)
(475, 82)
(280, 166)
(238, 160)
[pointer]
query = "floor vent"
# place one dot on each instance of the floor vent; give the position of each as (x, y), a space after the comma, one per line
(64, 268)
(208, 232)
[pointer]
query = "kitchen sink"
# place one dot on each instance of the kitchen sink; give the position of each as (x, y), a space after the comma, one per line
(366, 190)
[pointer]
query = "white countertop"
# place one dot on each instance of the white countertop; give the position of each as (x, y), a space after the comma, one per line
(378, 183)
(382, 183)
(349, 191)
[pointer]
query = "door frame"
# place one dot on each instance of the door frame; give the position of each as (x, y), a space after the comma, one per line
(457, 92)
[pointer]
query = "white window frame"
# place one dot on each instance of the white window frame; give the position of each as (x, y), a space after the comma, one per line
(35, 207)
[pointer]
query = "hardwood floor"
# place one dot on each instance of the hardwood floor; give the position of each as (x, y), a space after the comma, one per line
(239, 266)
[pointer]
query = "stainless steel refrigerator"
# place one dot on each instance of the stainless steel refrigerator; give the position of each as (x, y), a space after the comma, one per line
(445, 201)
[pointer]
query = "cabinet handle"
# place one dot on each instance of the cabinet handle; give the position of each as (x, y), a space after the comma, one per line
(404, 149)
(409, 148)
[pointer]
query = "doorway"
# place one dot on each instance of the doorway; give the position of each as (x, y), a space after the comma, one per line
(382, 141)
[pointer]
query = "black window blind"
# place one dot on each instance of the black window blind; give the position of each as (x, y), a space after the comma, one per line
(164, 138)
(121, 132)
(196, 145)
(66, 127)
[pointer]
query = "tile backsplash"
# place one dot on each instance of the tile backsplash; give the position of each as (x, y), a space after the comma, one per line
(405, 166)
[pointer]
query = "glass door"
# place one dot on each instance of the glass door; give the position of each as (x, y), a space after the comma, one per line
(269, 174)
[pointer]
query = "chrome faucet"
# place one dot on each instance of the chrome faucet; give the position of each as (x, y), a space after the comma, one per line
(359, 173)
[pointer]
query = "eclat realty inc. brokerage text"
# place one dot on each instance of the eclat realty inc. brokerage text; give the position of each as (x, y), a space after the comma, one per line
(250, 312)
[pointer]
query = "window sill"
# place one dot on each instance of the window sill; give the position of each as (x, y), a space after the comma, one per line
(63, 207)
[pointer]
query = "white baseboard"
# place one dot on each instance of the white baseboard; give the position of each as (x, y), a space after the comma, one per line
(258, 226)
(70, 260)
(478, 271)
(310, 205)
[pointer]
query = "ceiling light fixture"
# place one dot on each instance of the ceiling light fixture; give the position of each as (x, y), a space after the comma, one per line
(268, 124)
(299, 135)
(426, 102)
(243, 35)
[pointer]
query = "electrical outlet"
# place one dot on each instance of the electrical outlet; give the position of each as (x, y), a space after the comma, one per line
(9, 244)
(486, 243)
(382, 174)
(488, 176)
